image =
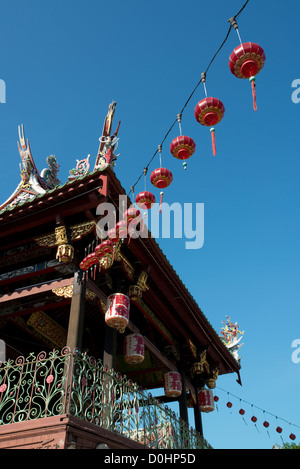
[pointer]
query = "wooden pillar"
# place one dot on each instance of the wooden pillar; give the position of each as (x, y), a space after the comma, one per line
(197, 415)
(183, 409)
(75, 329)
(110, 347)
(109, 361)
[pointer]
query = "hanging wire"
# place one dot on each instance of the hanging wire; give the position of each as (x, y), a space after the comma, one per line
(192, 93)
(258, 408)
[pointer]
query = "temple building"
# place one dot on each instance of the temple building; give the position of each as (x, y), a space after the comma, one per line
(94, 325)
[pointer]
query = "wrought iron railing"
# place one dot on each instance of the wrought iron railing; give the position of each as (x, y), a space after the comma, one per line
(72, 383)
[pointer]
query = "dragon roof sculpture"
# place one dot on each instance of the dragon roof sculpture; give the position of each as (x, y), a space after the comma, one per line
(231, 337)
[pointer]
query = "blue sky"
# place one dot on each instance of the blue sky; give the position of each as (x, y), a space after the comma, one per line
(64, 62)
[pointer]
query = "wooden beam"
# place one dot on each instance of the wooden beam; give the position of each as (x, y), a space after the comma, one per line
(75, 328)
(34, 290)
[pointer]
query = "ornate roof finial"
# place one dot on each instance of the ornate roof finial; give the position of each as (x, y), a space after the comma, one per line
(108, 142)
(230, 337)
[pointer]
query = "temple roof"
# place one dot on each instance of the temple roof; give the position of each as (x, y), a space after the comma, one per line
(39, 192)
(34, 184)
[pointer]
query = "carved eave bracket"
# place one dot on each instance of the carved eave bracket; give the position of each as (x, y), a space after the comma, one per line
(76, 232)
(135, 292)
(204, 371)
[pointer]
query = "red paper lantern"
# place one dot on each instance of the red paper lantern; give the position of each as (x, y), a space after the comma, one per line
(229, 405)
(209, 112)
(292, 436)
(145, 200)
(112, 235)
(89, 261)
(173, 384)
(254, 419)
(182, 148)
(117, 311)
(105, 253)
(242, 412)
(266, 424)
(134, 349)
(216, 399)
(121, 229)
(105, 248)
(246, 61)
(206, 400)
(132, 217)
(161, 178)
(279, 429)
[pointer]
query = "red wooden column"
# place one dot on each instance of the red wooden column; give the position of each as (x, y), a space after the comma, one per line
(75, 329)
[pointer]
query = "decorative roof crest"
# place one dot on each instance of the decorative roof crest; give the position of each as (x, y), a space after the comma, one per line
(108, 142)
(230, 337)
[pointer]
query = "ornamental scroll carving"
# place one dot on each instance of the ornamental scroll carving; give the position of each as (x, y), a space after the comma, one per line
(48, 328)
(76, 232)
(67, 292)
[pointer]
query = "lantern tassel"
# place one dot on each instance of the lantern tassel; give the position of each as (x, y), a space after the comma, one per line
(213, 139)
(130, 235)
(161, 199)
(144, 221)
(252, 81)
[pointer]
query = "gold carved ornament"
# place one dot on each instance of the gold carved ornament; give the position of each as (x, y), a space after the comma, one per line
(65, 251)
(211, 381)
(135, 292)
(201, 366)
(67, 292)
(76, 233)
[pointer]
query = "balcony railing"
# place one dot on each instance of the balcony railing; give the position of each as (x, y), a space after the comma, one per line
(72, 383)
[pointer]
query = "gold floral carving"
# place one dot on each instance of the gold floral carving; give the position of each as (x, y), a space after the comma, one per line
(76, 233)
(67, 292)
(48, 328)
(61, 235)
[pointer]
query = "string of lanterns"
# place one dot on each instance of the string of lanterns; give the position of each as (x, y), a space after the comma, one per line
(117, 317)
(246, 61)
(254, 419)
